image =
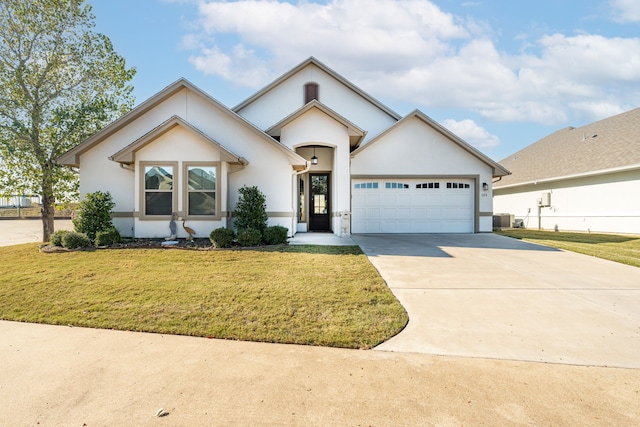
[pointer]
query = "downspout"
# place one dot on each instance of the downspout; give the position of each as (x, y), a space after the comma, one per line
(294, 220)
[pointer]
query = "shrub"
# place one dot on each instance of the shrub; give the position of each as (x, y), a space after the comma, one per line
(57, 236)
(249, 237)
(94, 214)
(108, 237)
(275, 235)
(251, 210)
(74, 240)
(222, 237)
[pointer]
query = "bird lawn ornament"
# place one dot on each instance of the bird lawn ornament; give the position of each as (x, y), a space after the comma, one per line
(190, 231)
(172, 226)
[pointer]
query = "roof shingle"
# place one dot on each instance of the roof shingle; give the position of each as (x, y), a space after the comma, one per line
(610, 143)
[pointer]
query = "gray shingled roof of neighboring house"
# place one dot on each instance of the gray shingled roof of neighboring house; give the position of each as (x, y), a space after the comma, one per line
(611, 143)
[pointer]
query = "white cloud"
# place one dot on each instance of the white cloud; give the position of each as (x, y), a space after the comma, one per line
(411, 51)
(469, 131)
(350, 32)
(626, 10)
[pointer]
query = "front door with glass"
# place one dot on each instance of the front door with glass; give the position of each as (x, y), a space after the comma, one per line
(319, 202)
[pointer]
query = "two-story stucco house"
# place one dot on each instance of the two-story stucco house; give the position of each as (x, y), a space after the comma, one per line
(315, 144)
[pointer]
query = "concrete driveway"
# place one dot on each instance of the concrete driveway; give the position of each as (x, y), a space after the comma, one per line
(16, 231)
(490, 296)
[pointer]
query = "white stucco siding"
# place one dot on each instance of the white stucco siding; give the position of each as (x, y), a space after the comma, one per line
(317, 128)
(97, 172)
(314, 126)
(415, 150)
(606, 203)
(288, 97)
(179, 146)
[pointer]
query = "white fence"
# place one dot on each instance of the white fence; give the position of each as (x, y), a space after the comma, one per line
(18, 201)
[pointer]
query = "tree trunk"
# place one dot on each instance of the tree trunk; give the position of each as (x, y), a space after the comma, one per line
(48, 204)
(48, 213)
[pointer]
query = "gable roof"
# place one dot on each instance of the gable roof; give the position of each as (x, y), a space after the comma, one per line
(498, 170)
(356, 134)
(127, 154)
(72, 157)
(327, 70)
(600, 147)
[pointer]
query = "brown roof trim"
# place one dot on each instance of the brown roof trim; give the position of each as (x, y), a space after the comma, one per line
(356, 134)
(314, 61)
(498, 170)
(127, 154)
(72, 157)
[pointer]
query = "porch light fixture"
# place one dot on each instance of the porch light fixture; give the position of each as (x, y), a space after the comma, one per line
(485, 186)
(314, 159)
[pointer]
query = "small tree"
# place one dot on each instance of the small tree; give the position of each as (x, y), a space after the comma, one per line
(60, 82)
(94, 214)
(251, 210)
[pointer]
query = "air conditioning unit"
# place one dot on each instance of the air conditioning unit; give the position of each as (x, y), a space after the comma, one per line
(545, 200)
(502, 220)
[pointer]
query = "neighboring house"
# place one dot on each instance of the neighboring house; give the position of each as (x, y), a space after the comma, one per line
(577, 179)
(327, 156)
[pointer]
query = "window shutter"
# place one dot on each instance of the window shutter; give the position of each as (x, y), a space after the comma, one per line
(310, 92)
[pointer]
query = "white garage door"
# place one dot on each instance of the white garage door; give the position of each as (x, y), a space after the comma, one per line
(412, 206)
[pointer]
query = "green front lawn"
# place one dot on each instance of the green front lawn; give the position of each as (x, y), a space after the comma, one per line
(314, 295)
(623, 249)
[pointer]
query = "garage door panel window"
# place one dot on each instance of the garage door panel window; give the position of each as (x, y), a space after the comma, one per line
(392, 185)
(364, 185)
(457, 185)
(428, 185)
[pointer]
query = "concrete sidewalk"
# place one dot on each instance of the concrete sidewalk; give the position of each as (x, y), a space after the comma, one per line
(58, 375)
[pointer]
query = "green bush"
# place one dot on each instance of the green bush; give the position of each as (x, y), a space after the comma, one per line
(251, 210)
(222, 237)
(249, 237)
(94, 214)
(75, 240)
(275, 235)
(57, 236)
(108, 237)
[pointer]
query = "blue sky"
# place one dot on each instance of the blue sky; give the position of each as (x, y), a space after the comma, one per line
(499, 73)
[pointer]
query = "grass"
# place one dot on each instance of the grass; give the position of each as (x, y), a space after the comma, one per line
(618, 248)
(315, 295)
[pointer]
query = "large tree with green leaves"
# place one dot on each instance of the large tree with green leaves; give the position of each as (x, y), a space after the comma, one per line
(60, 82)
